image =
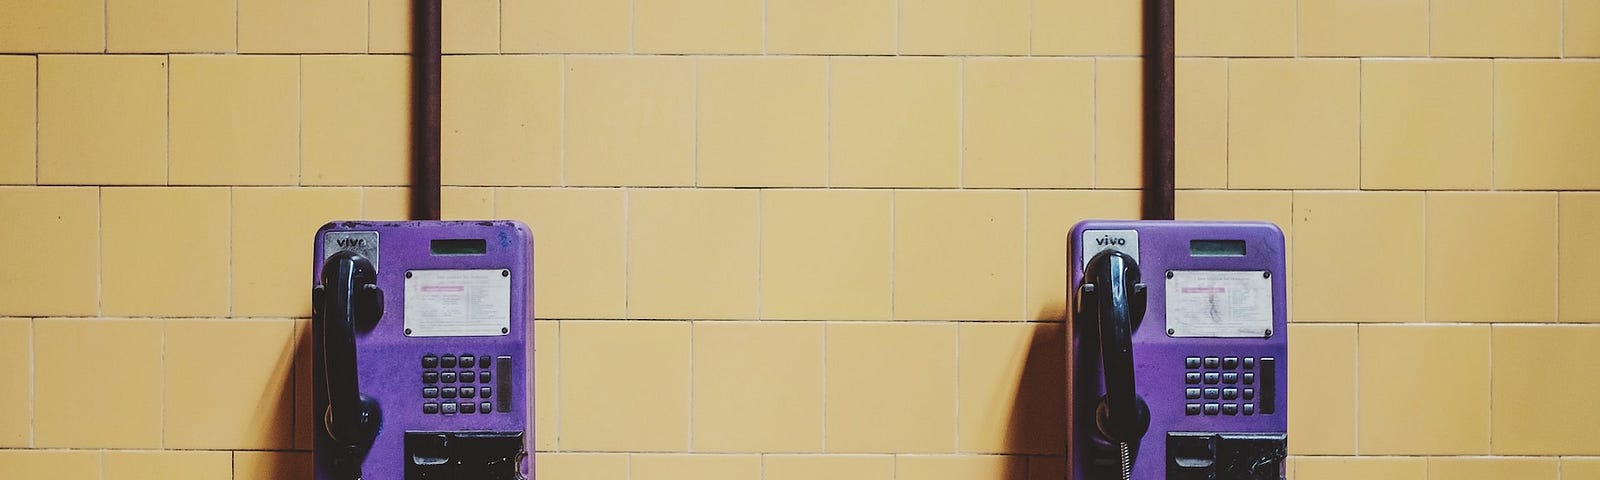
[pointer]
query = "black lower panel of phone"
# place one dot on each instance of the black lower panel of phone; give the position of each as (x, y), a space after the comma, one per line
(464, 455)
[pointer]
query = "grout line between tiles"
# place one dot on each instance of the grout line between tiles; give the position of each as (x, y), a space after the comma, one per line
(690, 408)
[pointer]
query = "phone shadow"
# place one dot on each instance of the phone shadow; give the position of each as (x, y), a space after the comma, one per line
(1036, 429)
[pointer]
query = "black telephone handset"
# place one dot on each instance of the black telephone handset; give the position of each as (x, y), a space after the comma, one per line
(1113, 296)
(348, 297)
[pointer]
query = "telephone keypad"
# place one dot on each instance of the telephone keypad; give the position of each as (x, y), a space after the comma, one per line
(468, 377)
(448, 361)
(448, 377)
(430, 408)
(430, 361)
(468, 392)
(468, 407)
(449, 408)
(466, 360)
(430, 377)
(449, 392)
(430, 392)
(462, 391)
(1229, 379)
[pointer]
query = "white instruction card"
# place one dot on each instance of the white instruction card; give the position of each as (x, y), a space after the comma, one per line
(458, 303)
(1213, 303)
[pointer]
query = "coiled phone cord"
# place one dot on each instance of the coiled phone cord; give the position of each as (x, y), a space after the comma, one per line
(1127, 461)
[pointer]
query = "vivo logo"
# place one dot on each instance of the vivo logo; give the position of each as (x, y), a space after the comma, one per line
(351, 242)
(1109, 241)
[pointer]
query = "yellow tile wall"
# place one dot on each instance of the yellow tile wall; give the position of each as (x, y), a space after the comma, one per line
(799, 239)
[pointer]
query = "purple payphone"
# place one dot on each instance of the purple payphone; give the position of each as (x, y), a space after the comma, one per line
(422, 346)
(1177, 351)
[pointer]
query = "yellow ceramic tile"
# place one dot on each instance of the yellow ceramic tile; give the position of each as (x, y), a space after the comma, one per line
(19, 119)
(1345, 468)
(1053, 147)
(891, 387)
(1493, 468)
(692, 254)
(303, 398)
(960, 467)
(1578, 279)
(162, 465)
(172, 264)
(16, 384)
(271, 226)
(825, 254)
(1294, 124)
(385, 203)
(1051, 468)
(895, 121)
(50, 250)
(163, 26)
(1425, 124)
(1560, 418)
(1494, 28)
(466, 203)
(763, 121)
(1119, 123)
(628, 389)
(698, 26)
(1580, 468)
(31, 26)
(52, 464)
(1345, 242)
(1546, 113)
(1363, 28)
(832, 467)
(1423, 390)
(547, 360)
(567, 26)
(1051, 215)
(1322, 382)
(578, 248)
(102, 120)
(1275, 207)
(235, 120)
(271, 465)
(1201, 110)
(1235, 28)
(958, 255)
(649, 101)
(470, 26)
(97, 383)
(502, 120)
(229, 384)
(1087, 27)
(964, 27)
(589, 466)
(1582, 28)
(389, 26)
(694, 467)
(302, 26)
(757, 387)
(1012, 399)
(1469, 272)
(356, 125)
(831, 26)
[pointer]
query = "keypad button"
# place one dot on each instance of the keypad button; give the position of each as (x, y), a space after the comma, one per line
(468, 376)
(1249, 394)
(1230, 393)
(1191, 409)
(1230, 409)
(1211, 408)
(466, 360)
(449, 392)
(1191, 378)
(449, 408)
(485, 407)
(430, 408)
(468, 392)
(1212, 393)
(1191, 393)
(1249, 363)
(430, 377)
(448, 361)
(1230, 363)
(1249, 409)
(486, 392)
(1249, 378)
(448, 377)
(469, 407)
(1212, 362)
(430, 392)
(430, 361)
(1230, 378)
(1191, 362)
(484, 360)
(1211, 377)
(484, 376)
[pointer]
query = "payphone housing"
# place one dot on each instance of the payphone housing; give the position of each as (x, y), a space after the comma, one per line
(422, 345)
(1177, 355)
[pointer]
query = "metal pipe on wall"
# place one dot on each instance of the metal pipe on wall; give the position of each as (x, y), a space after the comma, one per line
(425, 126)
(1159, 110)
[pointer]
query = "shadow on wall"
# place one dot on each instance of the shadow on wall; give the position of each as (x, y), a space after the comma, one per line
(1037, 426)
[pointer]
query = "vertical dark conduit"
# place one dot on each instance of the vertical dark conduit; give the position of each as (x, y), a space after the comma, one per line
(1159, 98)
(425, 54)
